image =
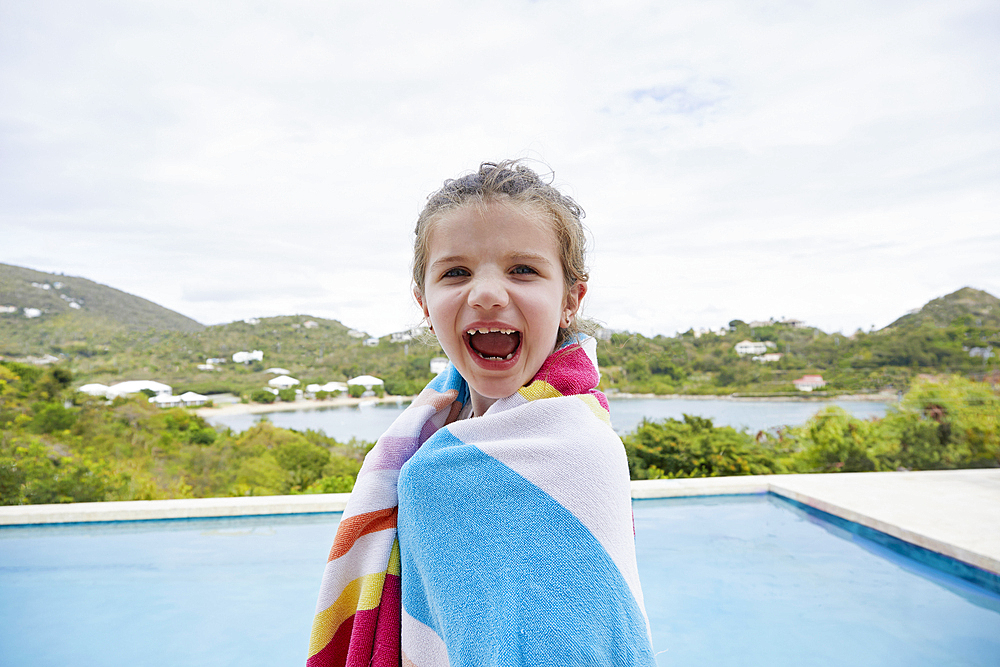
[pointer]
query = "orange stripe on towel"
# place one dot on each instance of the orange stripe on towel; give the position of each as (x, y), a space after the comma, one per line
(352, 528)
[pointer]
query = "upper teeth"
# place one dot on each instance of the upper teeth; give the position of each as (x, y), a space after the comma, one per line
(493, 330)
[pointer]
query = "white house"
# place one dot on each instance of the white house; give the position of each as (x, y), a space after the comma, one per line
(366, 381)
(769, 357)
(135, 386)
(247, 357)
(439, 365)
(371, 342)
(190, 398)
(329, 387)
(277, 371)
(745, 347)
(167, 401)
(809, 382)
(283, 382)
(94, 389)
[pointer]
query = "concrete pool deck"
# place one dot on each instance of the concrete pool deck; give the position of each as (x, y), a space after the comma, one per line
(951, 512)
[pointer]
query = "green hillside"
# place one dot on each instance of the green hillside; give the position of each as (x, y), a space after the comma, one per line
(972, 306)
(70, 309)
(113, 336)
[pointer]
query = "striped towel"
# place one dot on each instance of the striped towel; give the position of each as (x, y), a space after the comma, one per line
(501, 540)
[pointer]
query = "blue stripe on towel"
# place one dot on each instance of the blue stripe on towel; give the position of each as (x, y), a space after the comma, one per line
(503, 573)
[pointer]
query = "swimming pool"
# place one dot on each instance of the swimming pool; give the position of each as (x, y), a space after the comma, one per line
(748, 580)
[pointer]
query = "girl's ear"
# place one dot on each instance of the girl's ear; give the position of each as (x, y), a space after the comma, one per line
(574, 297)
(420, 301)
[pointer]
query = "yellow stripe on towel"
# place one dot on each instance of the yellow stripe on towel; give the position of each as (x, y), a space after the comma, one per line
(596, 407)
(538, 389)
(361, 594)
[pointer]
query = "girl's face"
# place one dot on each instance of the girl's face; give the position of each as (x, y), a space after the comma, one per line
(495, 294)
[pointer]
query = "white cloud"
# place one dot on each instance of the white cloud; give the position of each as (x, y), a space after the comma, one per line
(833, 161)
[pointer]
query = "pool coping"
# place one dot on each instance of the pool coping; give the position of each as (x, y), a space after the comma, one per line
(951, 512)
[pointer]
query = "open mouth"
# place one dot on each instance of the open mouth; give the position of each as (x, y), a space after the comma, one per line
(494, 344)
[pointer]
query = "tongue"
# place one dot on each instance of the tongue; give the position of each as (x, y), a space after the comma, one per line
(495, 344)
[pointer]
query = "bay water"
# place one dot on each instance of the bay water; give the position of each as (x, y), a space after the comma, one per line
(369, 420)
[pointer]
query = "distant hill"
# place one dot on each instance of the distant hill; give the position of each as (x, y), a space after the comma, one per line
(981, 308)
(78, 303)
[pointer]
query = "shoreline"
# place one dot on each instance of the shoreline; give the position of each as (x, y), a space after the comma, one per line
(233, 409)
(883, 397)
(304, 404)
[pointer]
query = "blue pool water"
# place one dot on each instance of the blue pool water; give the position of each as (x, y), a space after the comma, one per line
(746, 580)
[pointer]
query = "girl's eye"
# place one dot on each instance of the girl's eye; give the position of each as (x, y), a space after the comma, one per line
(523, 270)
(455, 273)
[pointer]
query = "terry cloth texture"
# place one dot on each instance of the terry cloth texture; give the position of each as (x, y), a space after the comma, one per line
(515, 542)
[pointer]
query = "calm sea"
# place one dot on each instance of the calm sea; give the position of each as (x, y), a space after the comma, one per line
(369, 421)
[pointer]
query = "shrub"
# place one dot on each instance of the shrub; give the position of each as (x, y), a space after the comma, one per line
(695, 448)
(263, 396)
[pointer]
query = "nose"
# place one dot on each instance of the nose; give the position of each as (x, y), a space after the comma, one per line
(487, 292)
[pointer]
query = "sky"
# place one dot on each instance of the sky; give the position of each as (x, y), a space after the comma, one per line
(835, 161)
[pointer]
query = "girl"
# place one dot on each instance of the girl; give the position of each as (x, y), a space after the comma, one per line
(491, 524)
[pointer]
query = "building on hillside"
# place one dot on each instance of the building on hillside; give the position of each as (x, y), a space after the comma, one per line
(310, 324)
(366, 381)
(745, 347)
(277, 371)
(32, 313)
(354, 333)
(188, 399)
(809, 382)
(166, 401)
(94, 389)
(371, 342)
(768, 358)
(283, 382)
(401, 337)
(761, 323)
(136, 386)
(794, 323)
(246, 357)
(191, 399)
(439, 365)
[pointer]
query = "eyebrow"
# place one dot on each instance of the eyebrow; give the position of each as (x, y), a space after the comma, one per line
(513, 257)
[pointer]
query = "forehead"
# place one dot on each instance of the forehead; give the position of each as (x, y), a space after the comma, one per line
(494, 225)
